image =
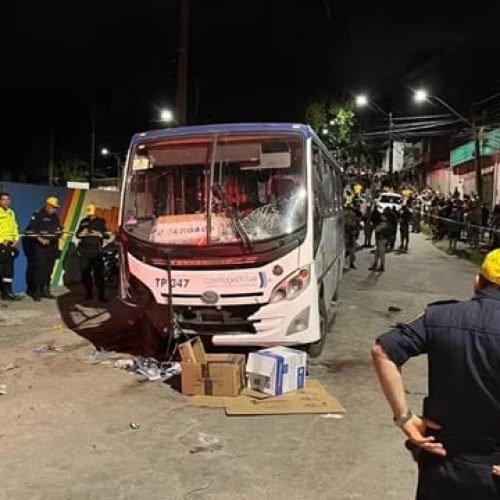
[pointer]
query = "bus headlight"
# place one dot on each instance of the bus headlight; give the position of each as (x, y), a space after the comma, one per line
(292, 286)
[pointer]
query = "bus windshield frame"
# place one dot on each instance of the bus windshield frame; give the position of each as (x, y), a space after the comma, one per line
(216, 190)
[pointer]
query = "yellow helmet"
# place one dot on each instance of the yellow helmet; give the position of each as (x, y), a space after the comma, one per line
(52, 201)
(490, 270)
(91, 209)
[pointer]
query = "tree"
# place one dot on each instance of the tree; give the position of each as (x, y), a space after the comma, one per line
(336, 123)
(316, 115)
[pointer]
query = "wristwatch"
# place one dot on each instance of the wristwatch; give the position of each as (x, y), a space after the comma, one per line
(403, 418)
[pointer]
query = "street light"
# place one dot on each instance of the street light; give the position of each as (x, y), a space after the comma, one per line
(105, 151)
(361, 100)
(421, 96)
(166, 116)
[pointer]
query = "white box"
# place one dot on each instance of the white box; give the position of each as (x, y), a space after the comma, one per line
(277, 370)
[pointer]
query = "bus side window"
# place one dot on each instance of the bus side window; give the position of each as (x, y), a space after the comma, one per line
(336, 205)
(318, 195)
(328, 187)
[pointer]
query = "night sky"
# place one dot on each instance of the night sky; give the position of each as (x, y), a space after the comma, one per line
(249, 60)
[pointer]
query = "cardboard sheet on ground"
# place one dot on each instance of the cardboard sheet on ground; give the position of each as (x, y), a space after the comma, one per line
(313, 399)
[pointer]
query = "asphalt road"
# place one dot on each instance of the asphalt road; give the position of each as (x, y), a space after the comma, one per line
(65, 430)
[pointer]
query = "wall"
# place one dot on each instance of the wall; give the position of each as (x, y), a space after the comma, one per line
(442, 179)
(28, 198)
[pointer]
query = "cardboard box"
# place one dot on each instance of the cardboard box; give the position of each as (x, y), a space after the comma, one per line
(193, 351)
(276, 371)
(210, 374)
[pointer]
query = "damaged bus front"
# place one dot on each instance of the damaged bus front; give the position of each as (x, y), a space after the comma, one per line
(234, 230)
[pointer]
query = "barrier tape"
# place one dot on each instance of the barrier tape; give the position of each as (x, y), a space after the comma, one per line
(462, 223)
(44, 234)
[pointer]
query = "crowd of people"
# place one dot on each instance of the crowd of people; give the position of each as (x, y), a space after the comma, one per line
(456, 217)
(40, 243)
(380, 227)
(466, 218)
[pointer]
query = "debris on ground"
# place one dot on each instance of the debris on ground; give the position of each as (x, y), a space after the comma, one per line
(43, 349)
(3, 389)
(9, 367)
(206, 442)
(150, 368)
(135, 425)
(197, 490)
(124, 363)
(394, 309)
(99, 355)
(329, 416)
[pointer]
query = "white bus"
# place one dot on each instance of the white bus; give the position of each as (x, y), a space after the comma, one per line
(233, 231)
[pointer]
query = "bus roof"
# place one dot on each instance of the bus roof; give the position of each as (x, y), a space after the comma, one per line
(305, 130)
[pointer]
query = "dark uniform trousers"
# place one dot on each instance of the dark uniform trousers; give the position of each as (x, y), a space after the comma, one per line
(7, 255)
(404, 235)
(464, 476)
(92, 268)
(43, 260)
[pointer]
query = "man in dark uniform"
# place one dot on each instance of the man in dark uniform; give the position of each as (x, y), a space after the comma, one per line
(44, 231)
(458, 436)
(91, 232)
(392, 218)
(405, 218)
(383, 232)
(417, 216)
(351, 228)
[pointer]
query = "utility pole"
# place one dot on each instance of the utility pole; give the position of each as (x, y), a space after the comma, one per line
(391, 148)
(182, 65)
(92, 147)
(477, 158)
(51, 157)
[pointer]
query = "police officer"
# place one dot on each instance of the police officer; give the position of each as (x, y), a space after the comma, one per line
(44, 231)
(91, 232)
(458, 436)
(383, 232)
(351, 228)
(9, 236)
(405, 218)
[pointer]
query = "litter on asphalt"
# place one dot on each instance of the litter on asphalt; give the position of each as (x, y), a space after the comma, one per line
(206, 442)
(44, 349)
(3, 389)
(150, 368)
(394, 309)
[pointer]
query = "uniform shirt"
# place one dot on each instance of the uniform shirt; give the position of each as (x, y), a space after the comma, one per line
(91, 244)
(8, 226)
(45, 225)
(405, 218)
(462, 341)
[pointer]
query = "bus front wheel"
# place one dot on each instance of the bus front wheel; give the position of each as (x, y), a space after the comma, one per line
(316, 348)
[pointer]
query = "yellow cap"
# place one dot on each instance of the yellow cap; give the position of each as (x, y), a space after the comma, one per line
(91, 209)
(491, 267)
(53, 201)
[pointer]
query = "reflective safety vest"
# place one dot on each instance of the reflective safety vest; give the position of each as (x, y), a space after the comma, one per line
(8, 226)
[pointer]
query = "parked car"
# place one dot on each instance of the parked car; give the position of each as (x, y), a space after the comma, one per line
(390, 200)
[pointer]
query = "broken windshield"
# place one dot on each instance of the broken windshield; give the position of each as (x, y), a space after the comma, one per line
(214, 190)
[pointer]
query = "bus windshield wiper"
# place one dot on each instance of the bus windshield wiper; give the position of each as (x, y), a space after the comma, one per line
(232, 211)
